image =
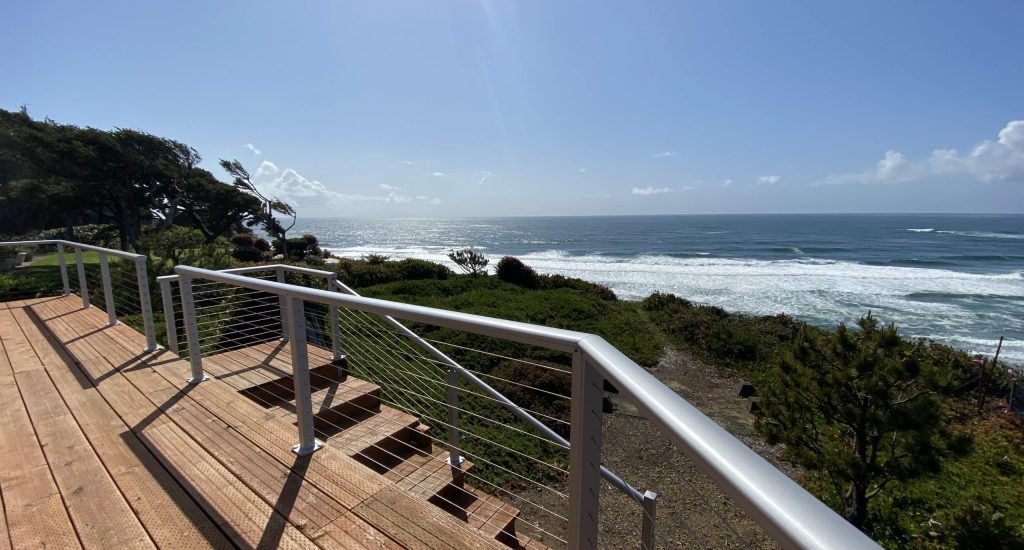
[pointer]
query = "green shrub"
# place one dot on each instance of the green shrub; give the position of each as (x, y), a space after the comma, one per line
(301, 248)
(94, 234)
(363, 273)
(597, 290)
(511, 270)
(375, 259)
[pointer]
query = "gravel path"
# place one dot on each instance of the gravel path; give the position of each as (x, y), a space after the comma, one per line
(692, 512)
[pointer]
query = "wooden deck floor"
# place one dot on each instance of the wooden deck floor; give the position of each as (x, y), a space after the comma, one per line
(104, 446)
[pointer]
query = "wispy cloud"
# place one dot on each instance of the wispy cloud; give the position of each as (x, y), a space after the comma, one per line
(481, 176)
(769, 180)
(583, 170)
(407, 162)
(647, 191)
(253, 148)
(727, 183)
(999, 160)
(302, 192)
(665, 154)
(437, 174)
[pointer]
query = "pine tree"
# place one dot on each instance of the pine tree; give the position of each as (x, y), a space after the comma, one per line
(857, 406)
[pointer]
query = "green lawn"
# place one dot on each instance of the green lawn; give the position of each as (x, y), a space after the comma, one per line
(50, 259)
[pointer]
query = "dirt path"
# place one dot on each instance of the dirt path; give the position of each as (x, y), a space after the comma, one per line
(692, 512)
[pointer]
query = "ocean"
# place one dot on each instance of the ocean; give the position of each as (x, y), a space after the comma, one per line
(953, 278)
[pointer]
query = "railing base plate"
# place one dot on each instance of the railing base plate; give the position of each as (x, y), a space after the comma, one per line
(194, 381)
(317, 445)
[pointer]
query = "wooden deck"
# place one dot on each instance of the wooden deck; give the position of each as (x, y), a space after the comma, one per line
(104, 446)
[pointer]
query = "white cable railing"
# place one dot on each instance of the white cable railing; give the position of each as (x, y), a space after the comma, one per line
(784, 510)
(124, 292)
(394, 357)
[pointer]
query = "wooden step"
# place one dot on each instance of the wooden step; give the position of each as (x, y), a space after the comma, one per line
(264, 364)
(334, 404)
(490, 515)
(425, 475)
(416, 526)
(380, 441)
(272, 391)
(526, 543)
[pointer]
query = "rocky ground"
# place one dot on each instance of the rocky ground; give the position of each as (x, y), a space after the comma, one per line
(692, 512)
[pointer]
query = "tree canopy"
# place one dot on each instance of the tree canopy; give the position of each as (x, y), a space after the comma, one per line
(56, 175)
(858, 405)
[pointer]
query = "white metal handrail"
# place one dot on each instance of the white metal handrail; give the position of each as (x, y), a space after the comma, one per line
(170, 320)
(787, 512)
(141, 276)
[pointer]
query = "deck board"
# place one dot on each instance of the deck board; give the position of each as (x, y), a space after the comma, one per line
(162, 506)
(34, 510)
(253, 471)
(140, 458)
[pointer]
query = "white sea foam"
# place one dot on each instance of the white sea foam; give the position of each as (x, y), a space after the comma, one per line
(978, 234)
(984, 234)
(818, 290)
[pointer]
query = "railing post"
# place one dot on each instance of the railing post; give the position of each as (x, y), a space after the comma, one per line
(108, 291)
(650, 509)
(63, 269)
(144, 302)
(584, 453)
(169, 321)
(283, 304)
(300, 375)
(188, 314)
(83, 285)
(455, 457)
(332, 311)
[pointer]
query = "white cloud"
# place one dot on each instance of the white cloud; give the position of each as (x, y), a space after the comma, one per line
(407, 162)
(304, 193)
(434, 200)
(727, 183)
(583, 170)
(481, 176)
(686, 188)
(1000, 160)
(437, 174)
(665, 154)
(769, 180)
(646, 191)
(253, 148)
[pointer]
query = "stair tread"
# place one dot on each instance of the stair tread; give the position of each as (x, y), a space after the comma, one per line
(330, 396)
(425, 475)
(380, 427)
(527, 543)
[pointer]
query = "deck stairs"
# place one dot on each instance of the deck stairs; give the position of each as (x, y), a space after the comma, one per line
(348, 414)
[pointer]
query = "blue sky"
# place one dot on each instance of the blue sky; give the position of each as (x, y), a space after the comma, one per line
(476, 107)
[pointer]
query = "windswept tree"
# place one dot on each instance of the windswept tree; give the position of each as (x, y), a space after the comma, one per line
(60, 175)
(857, 406)
(469, 261)
(271, 205)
